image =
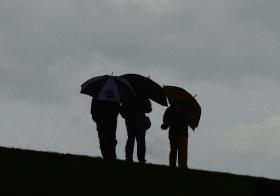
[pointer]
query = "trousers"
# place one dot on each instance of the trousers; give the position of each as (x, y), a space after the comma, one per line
(107, 140)
(138, 134)
(179, 149)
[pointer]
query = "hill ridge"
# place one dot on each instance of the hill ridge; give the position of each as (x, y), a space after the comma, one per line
(41, 171)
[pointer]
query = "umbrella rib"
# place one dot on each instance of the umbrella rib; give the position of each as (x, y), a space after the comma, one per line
(126, 83)
(88, 82)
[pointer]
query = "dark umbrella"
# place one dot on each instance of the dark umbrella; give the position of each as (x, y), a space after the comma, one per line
(185, 103)
(108, 88)
(147, 88)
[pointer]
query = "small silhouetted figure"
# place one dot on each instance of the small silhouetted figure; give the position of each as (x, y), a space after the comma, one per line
(137, 123)
(105, 114)
(175, 120)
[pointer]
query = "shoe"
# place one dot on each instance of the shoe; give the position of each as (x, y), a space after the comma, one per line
(129, 160)
(142, 161)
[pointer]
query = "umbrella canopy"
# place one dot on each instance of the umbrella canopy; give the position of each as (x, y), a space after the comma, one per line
(184, 103)
(108, 88)
(147, 88)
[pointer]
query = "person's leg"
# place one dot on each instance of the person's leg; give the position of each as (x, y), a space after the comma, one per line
(173, 152)
(112, 143)
(129, 147)
(107, 140)
(141, 146)
(183, 152)
(102, 144)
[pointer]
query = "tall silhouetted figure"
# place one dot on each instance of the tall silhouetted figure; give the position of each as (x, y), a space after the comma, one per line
(175, 120)
(137, 123)
(105, 114)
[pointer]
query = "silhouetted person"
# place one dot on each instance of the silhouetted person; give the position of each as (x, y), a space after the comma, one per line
(175, 120)
(105, 114)
(137, 123)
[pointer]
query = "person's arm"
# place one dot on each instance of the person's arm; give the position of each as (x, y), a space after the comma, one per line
(92, 110)
(148, 106)
(166, 119)
(144, 105)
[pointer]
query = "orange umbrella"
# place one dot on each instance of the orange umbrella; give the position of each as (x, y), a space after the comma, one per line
(185, 103)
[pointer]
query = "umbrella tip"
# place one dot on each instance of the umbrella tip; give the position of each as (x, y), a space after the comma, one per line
(149, 76)
(195, 95)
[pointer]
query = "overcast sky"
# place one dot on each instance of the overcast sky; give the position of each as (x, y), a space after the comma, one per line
(226, 52)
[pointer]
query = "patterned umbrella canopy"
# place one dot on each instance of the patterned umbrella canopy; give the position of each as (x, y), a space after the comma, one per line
(108, 88)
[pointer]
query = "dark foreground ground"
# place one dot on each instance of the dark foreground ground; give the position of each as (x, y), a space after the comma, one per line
(26, 172)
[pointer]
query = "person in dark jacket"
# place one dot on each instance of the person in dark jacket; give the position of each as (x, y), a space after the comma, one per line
(137, 123)
(105, 114)
(175, 120)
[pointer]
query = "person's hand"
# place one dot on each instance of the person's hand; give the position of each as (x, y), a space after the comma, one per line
(164, 126)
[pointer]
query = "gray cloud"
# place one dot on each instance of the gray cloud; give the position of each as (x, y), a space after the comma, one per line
(209, 40)
(226, 52)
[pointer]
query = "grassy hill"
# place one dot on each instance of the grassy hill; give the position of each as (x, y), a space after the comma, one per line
(26, 171)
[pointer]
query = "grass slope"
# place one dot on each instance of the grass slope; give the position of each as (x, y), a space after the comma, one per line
(26, 171)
